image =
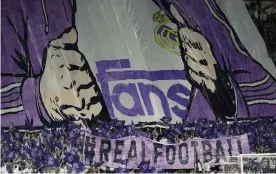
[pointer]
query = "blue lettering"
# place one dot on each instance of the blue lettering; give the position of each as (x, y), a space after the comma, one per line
(146, 90)
(130, 89)
(113, 97)
(173, 95)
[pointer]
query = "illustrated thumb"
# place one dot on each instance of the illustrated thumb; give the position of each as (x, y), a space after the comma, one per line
(69, 36)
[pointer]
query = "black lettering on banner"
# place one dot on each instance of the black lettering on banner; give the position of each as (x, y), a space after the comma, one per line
(105, 150)
(143, 151)
(118, 151)
(219, 151)
(156, 152)
(239, 146)
(170, 161)
(195, 145)
(229, 142)
(90, 145)
(132, 153)
(207, 151)
(186, 160)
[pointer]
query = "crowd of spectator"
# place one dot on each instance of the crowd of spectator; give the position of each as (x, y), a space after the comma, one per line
(59, 150)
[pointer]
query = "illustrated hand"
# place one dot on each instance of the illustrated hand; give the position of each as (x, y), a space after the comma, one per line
(68, 87)
(202, 69)
(197, 56)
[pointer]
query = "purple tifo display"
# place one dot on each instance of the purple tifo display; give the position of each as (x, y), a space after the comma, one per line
(42, 64)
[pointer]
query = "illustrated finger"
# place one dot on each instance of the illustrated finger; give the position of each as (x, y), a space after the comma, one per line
(196, 45)
(69, 36)
(187, 57)
(201, 67)
(208, 71)
(209, 84)
(196, 77)
(194, 65)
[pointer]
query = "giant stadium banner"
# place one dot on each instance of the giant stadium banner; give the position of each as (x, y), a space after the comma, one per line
(137, 61)
(132, 152)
